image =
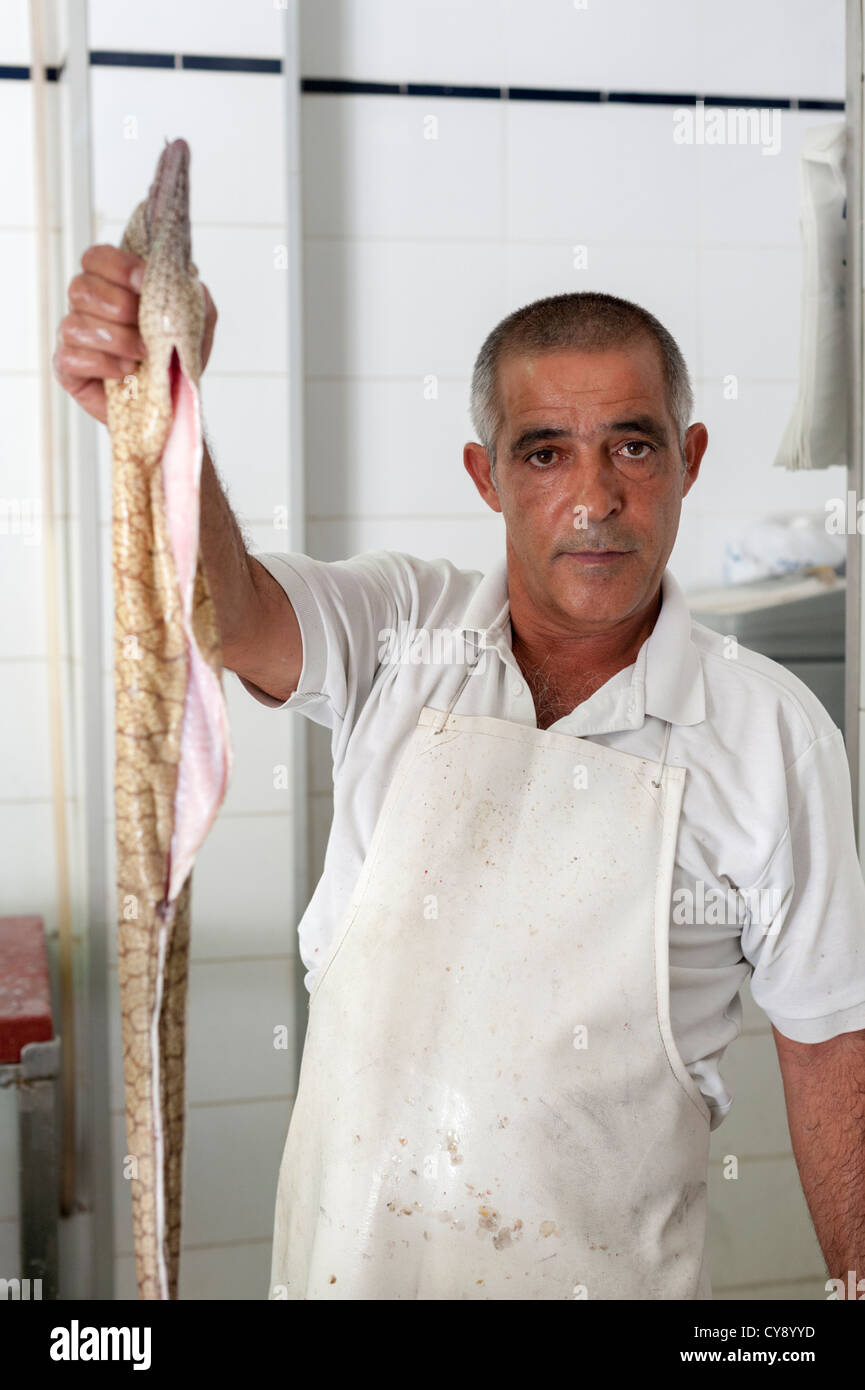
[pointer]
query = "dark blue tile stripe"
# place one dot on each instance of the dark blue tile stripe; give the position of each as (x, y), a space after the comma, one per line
(194, 60)
(339, 86)
(550, 94)
(333, 86)
(336, 86)
(434, 89)
(100, 58)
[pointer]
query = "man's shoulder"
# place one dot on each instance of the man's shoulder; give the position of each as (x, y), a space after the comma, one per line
(744, 684)
(432, 590)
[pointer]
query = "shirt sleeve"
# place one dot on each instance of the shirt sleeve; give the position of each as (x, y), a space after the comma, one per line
(341, 607)
(805, 937)
(350, 614)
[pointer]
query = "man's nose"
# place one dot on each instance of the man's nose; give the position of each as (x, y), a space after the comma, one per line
(596, 487)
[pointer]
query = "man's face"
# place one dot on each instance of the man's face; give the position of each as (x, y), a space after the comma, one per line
(587, 461)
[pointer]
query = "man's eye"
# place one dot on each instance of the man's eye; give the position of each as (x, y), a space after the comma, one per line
(537, 455)
(638, 444)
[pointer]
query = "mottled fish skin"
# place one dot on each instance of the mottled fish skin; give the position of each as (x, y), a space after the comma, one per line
(172, 748)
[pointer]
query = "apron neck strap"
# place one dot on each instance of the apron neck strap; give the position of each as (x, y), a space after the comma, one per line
(656, 780)
(439, 728)
(460, 688)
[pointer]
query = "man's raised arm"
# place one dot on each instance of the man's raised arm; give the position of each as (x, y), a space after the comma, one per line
(98, 340)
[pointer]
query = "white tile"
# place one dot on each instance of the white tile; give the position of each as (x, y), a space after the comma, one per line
(246, 421)
(738, 466)
(748, 198)
(320, 760)
(320, 821)
(392, 41)
(597, 175)
(472, 545)
(686, 559)
(267, 539)
(244, 888)
(388, 448)
(18, 283)
(231, 1166)
(405, 309)
(239, 1272)
(21, 438)
(18, 205)
(251, 30)
(15, 34)
(261, 777)
(233, 123)
(757, 1122)
(233, 1009)
(392, 167)
(28, 866)
(620, 45)
(748, 312)
(661, 279)
(759, 1229)
(24, 731)
(793, 48)
(22, 623)
(243, 269)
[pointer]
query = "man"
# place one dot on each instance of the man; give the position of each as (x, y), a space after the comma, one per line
(541, 776)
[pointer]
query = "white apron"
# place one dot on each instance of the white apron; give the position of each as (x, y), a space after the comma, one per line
(491, 1104)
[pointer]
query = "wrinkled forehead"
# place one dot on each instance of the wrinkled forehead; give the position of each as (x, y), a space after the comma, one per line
(580, 382)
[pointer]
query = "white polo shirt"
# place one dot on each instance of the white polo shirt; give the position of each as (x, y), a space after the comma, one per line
(767, 882)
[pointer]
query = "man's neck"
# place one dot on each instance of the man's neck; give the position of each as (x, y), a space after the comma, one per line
(563, 669)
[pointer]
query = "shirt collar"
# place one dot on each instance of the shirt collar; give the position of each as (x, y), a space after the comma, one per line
(667, 675)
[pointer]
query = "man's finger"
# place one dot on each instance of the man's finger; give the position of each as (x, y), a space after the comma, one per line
(73, 365)
(94, 295)
(84, 330)
(112, 264)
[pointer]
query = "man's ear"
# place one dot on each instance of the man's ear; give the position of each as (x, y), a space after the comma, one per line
(476, 462)
(696, 441)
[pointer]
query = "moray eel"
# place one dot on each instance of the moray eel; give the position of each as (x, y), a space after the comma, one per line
(173, 753)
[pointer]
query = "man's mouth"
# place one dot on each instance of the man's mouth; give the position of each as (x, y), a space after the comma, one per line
(596, 557)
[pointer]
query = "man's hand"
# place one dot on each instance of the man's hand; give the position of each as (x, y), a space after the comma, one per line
(99, 339)
(824, 1087)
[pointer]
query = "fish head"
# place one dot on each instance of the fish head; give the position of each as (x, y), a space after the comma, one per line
(171, 309)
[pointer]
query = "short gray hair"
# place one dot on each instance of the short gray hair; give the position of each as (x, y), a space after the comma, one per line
(584, 321)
